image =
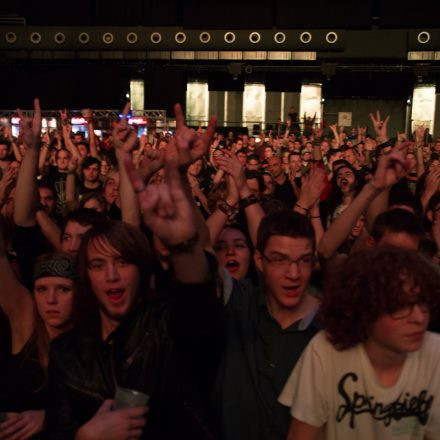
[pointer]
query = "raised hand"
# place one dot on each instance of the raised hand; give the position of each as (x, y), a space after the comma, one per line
(192, 145)
(419, 134)
(30, 129)
(380, 126)
(312, 187)
(152, 162)
(432, 183)
(319, 131)
(391, 167)
(124, 136)
(231, 165)
(165, 208)
(361, 131)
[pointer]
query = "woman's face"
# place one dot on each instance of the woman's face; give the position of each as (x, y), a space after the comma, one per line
(105, 167)
(195, 168)
(54, 300)
(233, 252)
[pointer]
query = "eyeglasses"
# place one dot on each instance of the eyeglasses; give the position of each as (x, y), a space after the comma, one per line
(407, 310)
(304, 263)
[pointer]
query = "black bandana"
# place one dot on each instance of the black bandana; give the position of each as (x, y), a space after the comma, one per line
(58, 265)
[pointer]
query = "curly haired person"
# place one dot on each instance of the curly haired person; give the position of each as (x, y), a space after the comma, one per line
(374, 372)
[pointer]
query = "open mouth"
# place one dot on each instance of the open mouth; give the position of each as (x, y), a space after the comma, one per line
(115, 295)
(291, 291)
(232, 266)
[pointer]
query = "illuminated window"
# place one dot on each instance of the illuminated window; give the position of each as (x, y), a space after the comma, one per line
(137, 93)
(254, 105)
(423, 107)
(310, 101)
(197, 103)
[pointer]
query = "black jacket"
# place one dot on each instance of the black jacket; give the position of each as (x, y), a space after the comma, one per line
(167, 348)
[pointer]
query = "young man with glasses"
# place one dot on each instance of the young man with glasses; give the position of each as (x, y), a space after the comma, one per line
(267, 329)
(374, 373)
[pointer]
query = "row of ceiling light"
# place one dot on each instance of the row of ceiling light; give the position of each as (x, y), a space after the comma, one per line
(180, 37)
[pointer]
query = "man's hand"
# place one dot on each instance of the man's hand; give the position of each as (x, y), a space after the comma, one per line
(152, 162)
(22, 426)
(114, 425)
(231, 165)
(192, 145)
(312, 187)
(124, 136)
(380, 127)
(30, 129)
(165, 208)
(419, 134)
(432, 183)
(391, 167)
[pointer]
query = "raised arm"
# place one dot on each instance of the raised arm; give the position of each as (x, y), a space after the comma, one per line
(124, 139)
(217, 220)
(252, 208)
(88, 116)
(26, 195)
(380, 127)
(419, 142)
(167, 212)
(308, 201)
(67, 131)
(15, 301)
(391, 168)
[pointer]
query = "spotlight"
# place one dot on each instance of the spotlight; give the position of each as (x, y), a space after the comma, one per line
(229, 37)
(254, 37)
(59, 38)
(205, 37)
(331, 37)
(279, 37)
(132, 37)
(11, 37)
(305, 37)
(35, 38)
(108, 38)
(156, 37)
(83, 37)
(423, 37)
(180, 37)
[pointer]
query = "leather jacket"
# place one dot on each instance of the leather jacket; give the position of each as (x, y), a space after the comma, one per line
(166, 348)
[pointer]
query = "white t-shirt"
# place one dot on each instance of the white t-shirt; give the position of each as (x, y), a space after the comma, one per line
(339, 389)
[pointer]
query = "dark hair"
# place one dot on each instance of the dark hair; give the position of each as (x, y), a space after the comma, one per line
(400, 194)
(396, 220)
(83, 216)
(89, 161)
(132, 245)
(370, 284)
(46, 183)
(284, 223)
(253, 157)
(253, 174)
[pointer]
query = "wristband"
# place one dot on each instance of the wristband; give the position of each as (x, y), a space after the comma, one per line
(301, 207)
(248, 201)
(226, 208)
(184, 246)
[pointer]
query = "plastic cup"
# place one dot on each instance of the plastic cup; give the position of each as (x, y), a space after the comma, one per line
(128, 398)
